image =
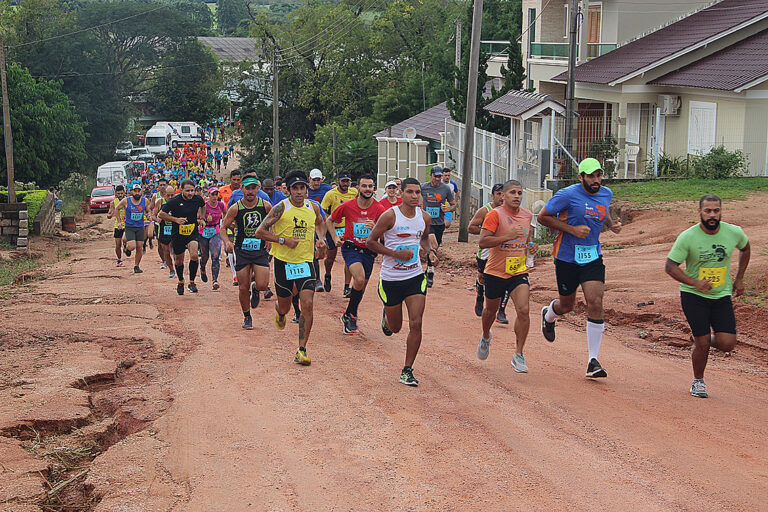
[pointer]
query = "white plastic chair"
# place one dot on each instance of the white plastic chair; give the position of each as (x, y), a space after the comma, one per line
(630, 158)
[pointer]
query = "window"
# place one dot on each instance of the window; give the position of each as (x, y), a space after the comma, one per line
(702, 122)
(633, 123)
(155, 141)
(594, 23)
(185, 129)
(531, 25)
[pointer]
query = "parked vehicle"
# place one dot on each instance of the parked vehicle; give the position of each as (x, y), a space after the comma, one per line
(183, 132)
(113, 174)
(141, 154)
(158, 139)
(101, 197)
(123, 150)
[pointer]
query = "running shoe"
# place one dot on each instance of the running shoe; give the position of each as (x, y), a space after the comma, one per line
(192, 287)
(349, 322)
(215, 285)
(479, 305)
(234, 282)
(384, 328)
(699, 389)
(203, 276)
(547, 328)
(501, 317)
(248, 323)
(484, 347)
(279, 321)
(255, 297)
(171, 274)
(268, 293)
(407, 378)
(180, 288)
(150, 244)
(163, 266)
(119, 263)
(327, 283)
(319, 287)
(137, 270)
(295, 318)
(518, 362)
(302, 358)
(430, 276)
(594, 370)
(127, 251)
(347, 291)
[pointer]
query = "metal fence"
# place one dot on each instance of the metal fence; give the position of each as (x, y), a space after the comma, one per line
(527, 168)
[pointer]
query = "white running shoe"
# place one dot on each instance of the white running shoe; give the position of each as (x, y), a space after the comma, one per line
(699, 389)
(484, 347)
(518, 362)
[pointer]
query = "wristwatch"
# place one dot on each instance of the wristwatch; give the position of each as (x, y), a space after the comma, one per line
(281, 241)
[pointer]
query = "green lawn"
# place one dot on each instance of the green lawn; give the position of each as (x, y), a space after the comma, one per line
(686, 189)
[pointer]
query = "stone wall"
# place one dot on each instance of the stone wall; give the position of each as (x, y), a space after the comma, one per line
(14, 224)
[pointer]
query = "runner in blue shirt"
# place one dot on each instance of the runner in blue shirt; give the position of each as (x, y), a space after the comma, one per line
(448, 219)
(317, 189)
(275, 196)
(238, 193)
(577, 213)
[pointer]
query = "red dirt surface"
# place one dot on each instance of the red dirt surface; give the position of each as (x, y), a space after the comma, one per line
(182, 410)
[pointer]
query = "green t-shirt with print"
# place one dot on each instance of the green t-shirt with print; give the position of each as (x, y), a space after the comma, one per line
(708, 257)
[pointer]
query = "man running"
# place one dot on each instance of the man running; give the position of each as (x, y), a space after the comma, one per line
(225, 192)
(405, 231)
(507, 234)
(164, 230)
(435, 193)
(185, 211)
(358, 215)
(250, 252)
(217, 156)
(134, 209)
(577, 213)
(391, 199)
(317, 188)
(210, 239)
(705, 284)
(455, 189)
(331, 200)
(119, 216)
(225, 157)
(291, 226)
(275, 196)
(475, 226)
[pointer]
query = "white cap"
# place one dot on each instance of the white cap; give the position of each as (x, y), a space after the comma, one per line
(315, 173)
(390, 184)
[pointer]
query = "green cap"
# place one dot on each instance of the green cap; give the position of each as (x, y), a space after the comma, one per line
(250, 180)
(589, 165)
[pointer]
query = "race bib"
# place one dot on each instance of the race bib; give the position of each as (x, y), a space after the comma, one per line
(414, 248)
(433, 211)
(251, 244)
(209, 232)
(716, 276)
(515, 265)
(167, 230)
(359, 230)
(584, 254)
(186, 229)
(340, 232)
(137, 215)
(297, 270)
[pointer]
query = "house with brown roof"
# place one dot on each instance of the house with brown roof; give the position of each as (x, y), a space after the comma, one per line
(689, 86)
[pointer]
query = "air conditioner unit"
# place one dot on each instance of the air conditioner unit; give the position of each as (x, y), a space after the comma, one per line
(669, 104)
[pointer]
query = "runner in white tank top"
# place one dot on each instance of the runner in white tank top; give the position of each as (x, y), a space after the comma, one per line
(405, 231)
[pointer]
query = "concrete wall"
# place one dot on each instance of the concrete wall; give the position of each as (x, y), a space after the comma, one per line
(14, 224)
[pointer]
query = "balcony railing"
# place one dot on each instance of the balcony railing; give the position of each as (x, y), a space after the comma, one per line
(494, 47)
(595, 50)
(549, 50)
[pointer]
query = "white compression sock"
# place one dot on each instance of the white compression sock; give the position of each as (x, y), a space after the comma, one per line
(594, 337)
(231, 258)
(550, 316)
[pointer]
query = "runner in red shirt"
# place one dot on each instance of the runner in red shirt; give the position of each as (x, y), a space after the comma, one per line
(391, 199)
(360, 215)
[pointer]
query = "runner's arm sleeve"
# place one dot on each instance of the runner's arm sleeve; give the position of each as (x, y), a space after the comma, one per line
(491, 222)
(678, 253)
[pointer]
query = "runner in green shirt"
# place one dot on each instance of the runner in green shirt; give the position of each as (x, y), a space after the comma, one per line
(705, 284)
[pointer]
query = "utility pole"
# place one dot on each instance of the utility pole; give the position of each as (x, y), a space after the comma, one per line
(7, 125)
(571, 87)
(275, 118)
(458, 51)
(467, 162)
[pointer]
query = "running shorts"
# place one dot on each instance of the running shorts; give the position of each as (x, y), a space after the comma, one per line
(570, 275)
(438, 230)
(496, 287)
(354, 254)
(245, 258)
(284, 286)
(180, 242)
(119, 233)
(481, 265)
(703, 313)
(393, 293)
(162, 237)
(134, 234)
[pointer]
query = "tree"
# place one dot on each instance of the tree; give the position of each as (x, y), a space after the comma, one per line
(229, 14)
(48, 135)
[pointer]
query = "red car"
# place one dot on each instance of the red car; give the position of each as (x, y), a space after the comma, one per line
(101, 197)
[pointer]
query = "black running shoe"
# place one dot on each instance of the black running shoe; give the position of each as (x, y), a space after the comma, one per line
(255, 296)
(268, 293)
(347, 291)
(547, 328)
(501, 317)
(248, 323)
(327, 283)
(192, 287)
(594, 370)
(137, 270)
(350, 323)
(479, 305)
(203, 276)
(430, 276)
(407, 378)
(384, 328)
(180, 288)
(127, 251)
(150, 244)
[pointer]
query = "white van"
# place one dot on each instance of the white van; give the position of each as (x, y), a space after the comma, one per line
(185, 131)
(113, 173)
(158, 139)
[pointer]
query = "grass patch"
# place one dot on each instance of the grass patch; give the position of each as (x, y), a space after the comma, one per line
(11, 270)
(687, 189)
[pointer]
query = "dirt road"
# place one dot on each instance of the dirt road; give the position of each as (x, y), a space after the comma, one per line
(184, 411)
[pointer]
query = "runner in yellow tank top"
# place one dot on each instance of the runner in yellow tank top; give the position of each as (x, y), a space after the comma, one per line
(295, 228)
(119, 216)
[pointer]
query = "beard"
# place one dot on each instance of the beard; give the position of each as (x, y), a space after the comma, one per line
(592, 189)
(710, 225)
(366, 197)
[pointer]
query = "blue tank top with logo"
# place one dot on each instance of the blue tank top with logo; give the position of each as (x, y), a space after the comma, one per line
(134, 213)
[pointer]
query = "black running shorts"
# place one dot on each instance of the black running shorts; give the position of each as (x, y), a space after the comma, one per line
(703, 313)
(180, 243)
(393, 293)
(495, 286)
(245, 258)
(570, 275)
(136, 234)
(119, 233)
(284, 287)
(438, 230)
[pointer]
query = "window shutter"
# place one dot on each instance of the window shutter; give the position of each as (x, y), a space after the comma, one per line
(633, 123)
(702, 127)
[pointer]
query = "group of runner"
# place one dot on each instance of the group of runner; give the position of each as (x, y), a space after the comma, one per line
(259, 227)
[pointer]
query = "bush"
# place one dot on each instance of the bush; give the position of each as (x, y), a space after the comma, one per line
(73, 191)
(720, 164)
(34, 201)
(605, 150)
(668, 166)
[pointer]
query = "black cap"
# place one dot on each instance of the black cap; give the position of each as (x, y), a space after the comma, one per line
(298, 177)
(497, 186)
(344, 175)
(436, 171)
